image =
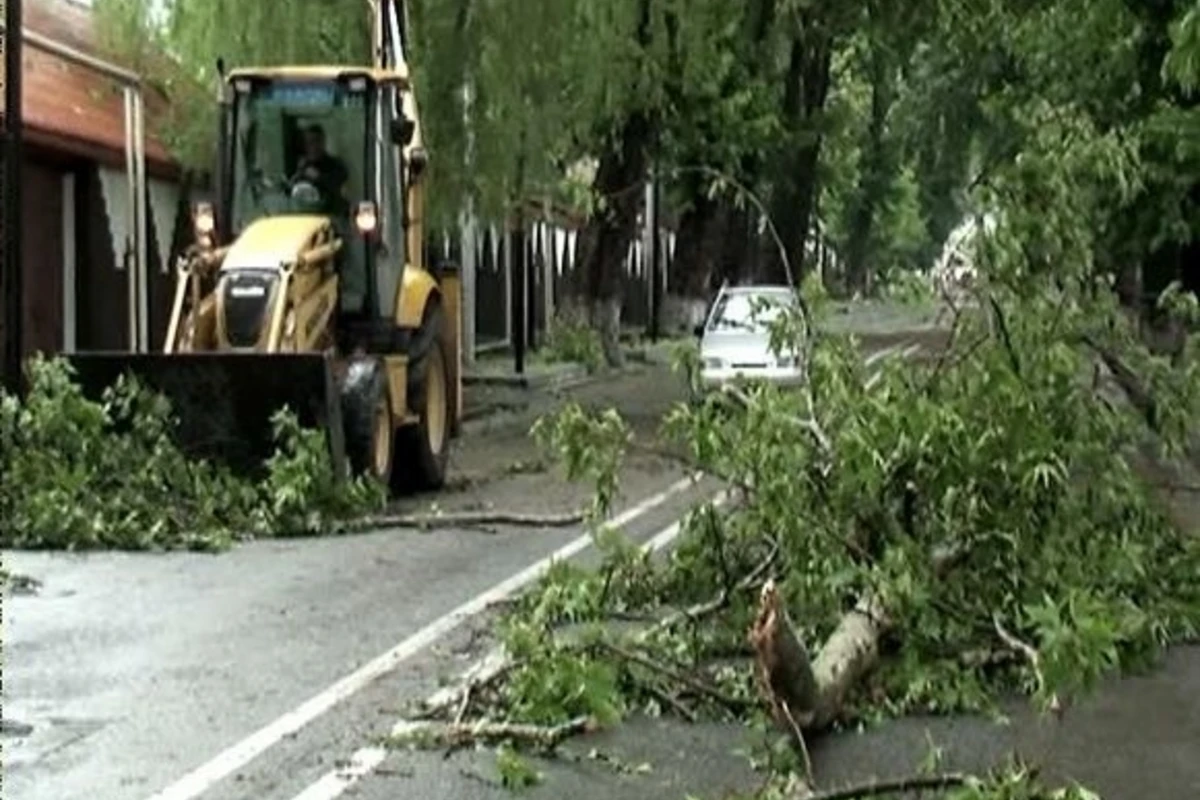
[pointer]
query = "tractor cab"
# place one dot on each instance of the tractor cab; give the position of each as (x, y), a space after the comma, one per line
(306, 285)
(329, 143)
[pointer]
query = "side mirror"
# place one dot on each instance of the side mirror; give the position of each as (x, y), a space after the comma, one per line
(698, 331)
(402, 131)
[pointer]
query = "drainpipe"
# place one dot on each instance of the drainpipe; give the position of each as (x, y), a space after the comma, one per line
(135, 171)
(142, 258)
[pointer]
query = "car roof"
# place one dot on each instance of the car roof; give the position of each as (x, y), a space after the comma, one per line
(772, 288)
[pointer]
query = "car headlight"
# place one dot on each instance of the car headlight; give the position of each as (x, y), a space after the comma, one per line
(787, 362)
(713, 363)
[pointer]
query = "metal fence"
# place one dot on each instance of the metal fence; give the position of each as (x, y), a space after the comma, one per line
(551, 253)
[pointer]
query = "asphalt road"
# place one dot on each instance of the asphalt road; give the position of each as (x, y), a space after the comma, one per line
(133, 669)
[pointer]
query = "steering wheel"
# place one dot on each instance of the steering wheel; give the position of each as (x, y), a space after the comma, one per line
(305, 195)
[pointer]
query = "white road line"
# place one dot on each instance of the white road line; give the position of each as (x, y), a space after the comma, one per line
(234, 758)
(364, 761)
(878, 354)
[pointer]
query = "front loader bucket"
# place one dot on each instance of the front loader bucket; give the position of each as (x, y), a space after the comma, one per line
(224, 401)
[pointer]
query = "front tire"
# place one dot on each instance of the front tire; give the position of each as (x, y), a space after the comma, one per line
(367, 419)
(426, 445)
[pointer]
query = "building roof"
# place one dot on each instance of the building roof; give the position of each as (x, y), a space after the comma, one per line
(75, 108)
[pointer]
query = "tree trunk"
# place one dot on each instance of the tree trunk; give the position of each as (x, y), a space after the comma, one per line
(807, 86)
(690, 278)
(620, 180)
(877, 172)
(605, 241)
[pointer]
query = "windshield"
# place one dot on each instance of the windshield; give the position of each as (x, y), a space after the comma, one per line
(736, 311)
(285, 129)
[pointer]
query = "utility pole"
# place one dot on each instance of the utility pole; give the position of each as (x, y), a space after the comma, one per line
(654, 258)
(11, 231)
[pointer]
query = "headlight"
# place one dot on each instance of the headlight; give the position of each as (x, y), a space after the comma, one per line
(787, 362)
(366, 218)
(713, 363)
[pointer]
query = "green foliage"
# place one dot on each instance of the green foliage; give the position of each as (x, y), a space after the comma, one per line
(909, 288)
(176, 44)
(569, 342)
(516, 774)
(302, 493)
(81, 475)
(590, 446)
(1001, 452)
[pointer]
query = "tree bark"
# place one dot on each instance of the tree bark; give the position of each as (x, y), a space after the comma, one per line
(809, 695)
(690, 277)
(605, 242)
(794, 198)
(714, 238)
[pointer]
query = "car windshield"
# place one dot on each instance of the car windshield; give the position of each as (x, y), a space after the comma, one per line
(272, 122)
(745, 311)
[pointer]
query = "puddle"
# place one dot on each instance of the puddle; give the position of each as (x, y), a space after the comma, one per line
(20, 585)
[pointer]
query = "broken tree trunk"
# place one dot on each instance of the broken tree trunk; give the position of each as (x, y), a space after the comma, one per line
(811, 694)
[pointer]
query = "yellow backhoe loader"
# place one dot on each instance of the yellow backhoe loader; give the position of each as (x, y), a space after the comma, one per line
(306, 285)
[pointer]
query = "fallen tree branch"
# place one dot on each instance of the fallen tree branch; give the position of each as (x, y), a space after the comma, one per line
(917, 783)
(494, 666)
(466, 519)
(666, 698)
(1171, 486)
(441, 734)
(686, 461)
(698, 686)
(721, 601)
(809, 426)
(1130, 382)
(497, 663)
(1030, 654)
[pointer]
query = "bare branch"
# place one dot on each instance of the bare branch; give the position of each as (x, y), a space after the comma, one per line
(1030, 654)
(440, 734)
(918, 783)
(466, 519)
(695, 684)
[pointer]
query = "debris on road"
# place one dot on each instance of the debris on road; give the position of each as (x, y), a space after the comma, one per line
(848, 506)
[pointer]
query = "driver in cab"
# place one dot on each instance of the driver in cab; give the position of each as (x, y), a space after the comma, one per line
(325, 171)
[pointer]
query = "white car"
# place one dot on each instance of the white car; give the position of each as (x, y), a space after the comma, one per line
(735, 342)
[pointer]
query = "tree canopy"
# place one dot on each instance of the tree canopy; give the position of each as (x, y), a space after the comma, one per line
(888, 122)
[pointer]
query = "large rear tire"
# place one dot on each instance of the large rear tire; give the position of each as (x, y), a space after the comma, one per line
(367, 420)
(426, 445)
